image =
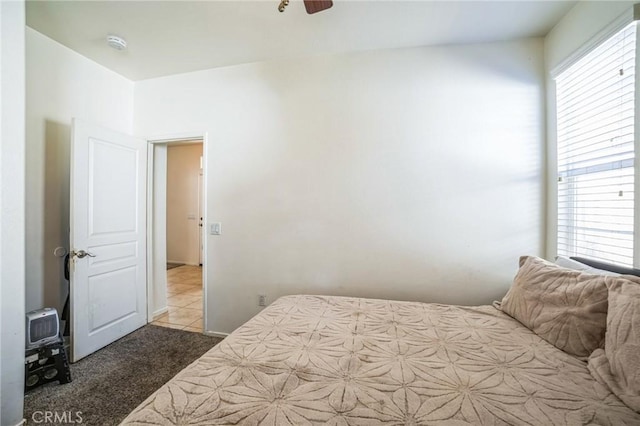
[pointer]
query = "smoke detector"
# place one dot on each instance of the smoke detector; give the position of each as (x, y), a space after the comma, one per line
(116, 42)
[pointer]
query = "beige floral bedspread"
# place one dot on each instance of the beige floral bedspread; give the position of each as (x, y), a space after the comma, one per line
(347, 361)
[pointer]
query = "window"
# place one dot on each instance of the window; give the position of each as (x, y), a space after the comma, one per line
(595, 116)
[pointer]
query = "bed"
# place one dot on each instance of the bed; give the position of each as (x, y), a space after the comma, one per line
(309, 359)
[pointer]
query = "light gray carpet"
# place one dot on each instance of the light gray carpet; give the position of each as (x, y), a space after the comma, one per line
(110, 383)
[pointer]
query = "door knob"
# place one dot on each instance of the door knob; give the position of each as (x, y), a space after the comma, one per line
(81, 254)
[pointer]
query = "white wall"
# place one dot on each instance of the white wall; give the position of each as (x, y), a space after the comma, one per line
(579, 26)
(582, 22)
(410, 174)
(183, 217)
(61, 84)
(12, 247)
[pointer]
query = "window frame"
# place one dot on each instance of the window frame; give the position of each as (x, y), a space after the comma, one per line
(630, 15)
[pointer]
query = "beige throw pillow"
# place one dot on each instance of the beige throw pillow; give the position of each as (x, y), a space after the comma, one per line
(565, 307)
(618, 365)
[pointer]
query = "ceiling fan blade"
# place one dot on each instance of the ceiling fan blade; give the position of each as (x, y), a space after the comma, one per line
(314, 6)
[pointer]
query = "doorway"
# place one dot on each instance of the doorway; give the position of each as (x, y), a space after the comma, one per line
(178, 248)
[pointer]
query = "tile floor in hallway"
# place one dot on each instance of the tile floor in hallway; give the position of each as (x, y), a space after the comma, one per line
(184, 299)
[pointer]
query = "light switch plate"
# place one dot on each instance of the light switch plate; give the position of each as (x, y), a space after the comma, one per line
(215, 228)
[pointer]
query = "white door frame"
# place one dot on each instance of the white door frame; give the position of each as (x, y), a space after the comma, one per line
(201, 234)
(189, 137)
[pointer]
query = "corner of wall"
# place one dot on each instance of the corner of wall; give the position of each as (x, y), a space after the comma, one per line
(12, 227)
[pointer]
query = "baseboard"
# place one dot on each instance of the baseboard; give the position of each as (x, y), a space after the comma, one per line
(215, 334)
(183, 262)
(159, 312)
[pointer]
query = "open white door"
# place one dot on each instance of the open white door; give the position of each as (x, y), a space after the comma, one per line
(108, 237)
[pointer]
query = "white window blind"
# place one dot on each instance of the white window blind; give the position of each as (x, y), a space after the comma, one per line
(595, 115)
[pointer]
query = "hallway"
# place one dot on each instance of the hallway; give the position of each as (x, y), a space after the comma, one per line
(184, 299)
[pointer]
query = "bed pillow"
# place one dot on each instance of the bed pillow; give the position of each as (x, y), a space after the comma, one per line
(612, 267)
(565, 307)
(565, 262)
(618, 365)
